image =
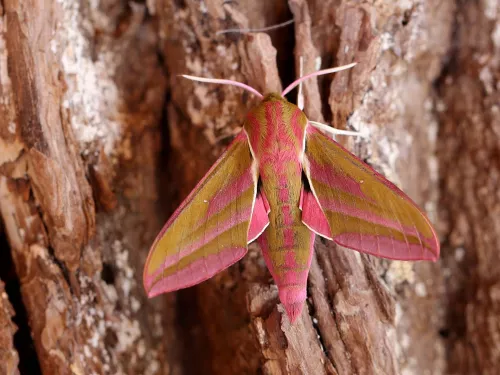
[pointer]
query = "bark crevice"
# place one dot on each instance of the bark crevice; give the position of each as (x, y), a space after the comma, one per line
(100, 141)
(10, 293)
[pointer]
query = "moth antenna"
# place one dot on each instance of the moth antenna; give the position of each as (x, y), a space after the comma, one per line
(300, 95)
(257, 30)
(224, 82)
(334, 131)
(315, 74)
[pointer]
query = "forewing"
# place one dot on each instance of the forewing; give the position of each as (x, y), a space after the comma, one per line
(209, 231)
(364, 210)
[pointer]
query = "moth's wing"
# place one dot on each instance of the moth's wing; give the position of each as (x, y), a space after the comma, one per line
(365, 211)
(210, 229)
(312, 215)
(260, 220)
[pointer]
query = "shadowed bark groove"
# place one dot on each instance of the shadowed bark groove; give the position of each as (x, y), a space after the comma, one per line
(469, 157)
(100, 140)
(17, 351)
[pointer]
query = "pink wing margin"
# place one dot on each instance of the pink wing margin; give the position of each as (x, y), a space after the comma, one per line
(364, 211)
(212, 227)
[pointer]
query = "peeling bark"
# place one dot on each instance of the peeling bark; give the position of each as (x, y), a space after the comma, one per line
(9, 359)
(100, 139)
(82, 95)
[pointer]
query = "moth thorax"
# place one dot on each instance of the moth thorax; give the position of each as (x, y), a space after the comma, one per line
(274, 111)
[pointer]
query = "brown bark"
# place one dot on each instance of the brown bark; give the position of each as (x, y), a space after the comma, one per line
(100, 140)
(9, 358)
(82, 95)
(469, 155)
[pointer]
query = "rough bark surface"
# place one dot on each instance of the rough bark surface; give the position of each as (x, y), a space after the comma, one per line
(469, 154)
(100, 140)
(9, 358)
(82, 95)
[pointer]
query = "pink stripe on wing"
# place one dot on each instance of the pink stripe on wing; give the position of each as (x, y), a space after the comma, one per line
(342, 208)
(196, 272)
(170, 260)
(330, 176)
(228, 194)
(377, 245)
(240, 138)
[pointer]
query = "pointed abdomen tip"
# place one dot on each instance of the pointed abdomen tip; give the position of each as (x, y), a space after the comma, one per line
(293, 310)
(293, 297)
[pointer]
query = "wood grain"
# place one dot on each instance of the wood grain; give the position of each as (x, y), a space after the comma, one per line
(100, 140)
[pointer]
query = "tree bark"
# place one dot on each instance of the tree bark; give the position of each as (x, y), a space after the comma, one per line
(100, 140)
(469, 153)
(9, 358)
(82, 96)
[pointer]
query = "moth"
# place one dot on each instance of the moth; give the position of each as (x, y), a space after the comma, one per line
(281, 182)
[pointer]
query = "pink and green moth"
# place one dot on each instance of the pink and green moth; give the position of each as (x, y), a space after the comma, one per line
(281, 182)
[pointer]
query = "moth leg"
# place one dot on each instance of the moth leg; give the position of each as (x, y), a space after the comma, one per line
(334, 132)
(300, 94)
